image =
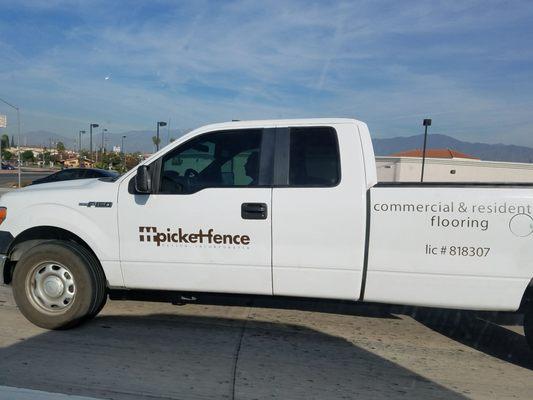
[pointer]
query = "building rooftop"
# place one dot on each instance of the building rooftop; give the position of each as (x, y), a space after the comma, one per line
(434, 153)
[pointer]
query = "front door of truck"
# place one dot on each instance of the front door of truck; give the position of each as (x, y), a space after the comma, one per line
(207, 226)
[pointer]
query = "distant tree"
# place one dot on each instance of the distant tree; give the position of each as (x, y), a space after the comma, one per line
(55, 157)
(5, 142)
(60, 147)
(27, 156)
(6, 155)
(132, 160)
(110, 161)
(172, 139)
(12, 141)
(156, 140)
(47, 157)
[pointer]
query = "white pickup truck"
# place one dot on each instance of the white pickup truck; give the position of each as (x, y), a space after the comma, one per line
(279, 208)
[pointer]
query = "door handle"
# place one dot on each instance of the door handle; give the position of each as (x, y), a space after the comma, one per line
(254, 211)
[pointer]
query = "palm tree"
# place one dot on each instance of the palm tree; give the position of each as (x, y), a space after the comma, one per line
(156, 141)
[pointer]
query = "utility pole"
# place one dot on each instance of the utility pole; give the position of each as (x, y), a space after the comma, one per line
(103, 144)
(425, 123)
(79, 147)
(18, 135)
(79, 140)
(91, 126)
(123, 152)
(168, 131)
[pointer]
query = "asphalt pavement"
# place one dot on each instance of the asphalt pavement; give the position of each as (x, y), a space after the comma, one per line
(265, 349)
(268, 349)
(9, 179)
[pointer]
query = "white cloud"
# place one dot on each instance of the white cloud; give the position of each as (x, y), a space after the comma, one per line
(388, 63)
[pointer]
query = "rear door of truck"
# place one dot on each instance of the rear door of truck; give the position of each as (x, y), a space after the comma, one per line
(319, 212)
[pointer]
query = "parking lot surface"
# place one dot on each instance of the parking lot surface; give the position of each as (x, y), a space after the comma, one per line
(9, 179)
(268, 349)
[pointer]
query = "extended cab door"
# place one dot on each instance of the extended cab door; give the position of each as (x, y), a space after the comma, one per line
(319, 212)
(207, 226)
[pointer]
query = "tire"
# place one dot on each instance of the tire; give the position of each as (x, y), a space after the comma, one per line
(58, 284)
(100, 278)
(528, 325)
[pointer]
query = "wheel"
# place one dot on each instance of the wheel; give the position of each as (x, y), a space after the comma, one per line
(528, 325)
(102, 299)
(58, 284)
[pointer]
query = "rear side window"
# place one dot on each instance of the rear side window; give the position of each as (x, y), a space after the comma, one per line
(314, 157)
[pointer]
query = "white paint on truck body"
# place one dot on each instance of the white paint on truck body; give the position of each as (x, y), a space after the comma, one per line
(464, 246)
(450, 246)
(56, 205)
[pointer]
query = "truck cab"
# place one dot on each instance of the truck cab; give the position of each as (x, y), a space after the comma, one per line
(248, 208)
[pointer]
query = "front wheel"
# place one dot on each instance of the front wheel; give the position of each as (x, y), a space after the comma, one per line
(58, 284)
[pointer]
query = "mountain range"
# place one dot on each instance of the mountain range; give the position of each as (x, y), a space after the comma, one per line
(142, 141)
(484, 151)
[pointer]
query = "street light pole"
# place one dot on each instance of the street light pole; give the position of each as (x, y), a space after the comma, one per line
(159, 123)
(91, 126)
(425, 123)
(18, 134)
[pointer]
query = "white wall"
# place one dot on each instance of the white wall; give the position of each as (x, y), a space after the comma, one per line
(407, 169)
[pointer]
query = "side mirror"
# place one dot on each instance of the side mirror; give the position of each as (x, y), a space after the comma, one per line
(143, 180)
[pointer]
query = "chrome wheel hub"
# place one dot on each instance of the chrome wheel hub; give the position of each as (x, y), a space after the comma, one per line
(51, 287)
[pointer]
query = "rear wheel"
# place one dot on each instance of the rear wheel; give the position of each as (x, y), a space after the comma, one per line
(528, 325)
(58, 284)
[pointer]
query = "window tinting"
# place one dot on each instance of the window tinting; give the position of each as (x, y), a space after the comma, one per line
(67, 174)
(219, 159)
(314, 157)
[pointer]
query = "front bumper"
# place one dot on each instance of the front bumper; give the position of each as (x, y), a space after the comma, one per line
(6, 239)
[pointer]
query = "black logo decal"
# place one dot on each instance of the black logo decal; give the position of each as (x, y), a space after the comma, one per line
(151, 234)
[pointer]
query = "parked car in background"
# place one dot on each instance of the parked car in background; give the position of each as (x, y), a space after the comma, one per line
(7, 166)
(76, 173)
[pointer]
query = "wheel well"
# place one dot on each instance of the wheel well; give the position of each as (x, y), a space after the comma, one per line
(34, 236)
(527, 298)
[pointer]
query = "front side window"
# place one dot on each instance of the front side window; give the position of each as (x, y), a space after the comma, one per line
(218, 159)
(314, 157)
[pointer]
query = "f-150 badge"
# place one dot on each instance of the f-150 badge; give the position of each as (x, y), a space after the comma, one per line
(97, 204)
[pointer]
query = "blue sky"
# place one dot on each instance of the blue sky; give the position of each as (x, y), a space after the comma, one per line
(466, 64)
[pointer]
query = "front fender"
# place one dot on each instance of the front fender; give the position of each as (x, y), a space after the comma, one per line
(96, 226)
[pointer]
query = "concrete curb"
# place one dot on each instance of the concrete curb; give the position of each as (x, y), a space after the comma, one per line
(13, 393)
